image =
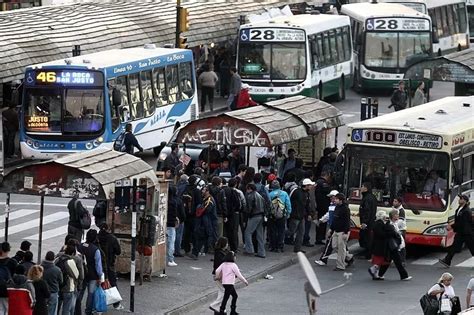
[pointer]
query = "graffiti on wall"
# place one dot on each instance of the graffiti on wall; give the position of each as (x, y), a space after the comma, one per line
(230, 135)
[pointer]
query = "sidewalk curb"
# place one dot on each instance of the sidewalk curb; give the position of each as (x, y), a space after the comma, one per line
(206, 298)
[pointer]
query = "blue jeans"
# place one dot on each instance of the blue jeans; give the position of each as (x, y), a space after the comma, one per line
(69, 302)
(255, 224)
(91, 286)
(179, 237)
(3, 306)
(53, 304)
(170, 239)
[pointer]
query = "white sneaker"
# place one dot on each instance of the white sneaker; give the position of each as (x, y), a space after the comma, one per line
(119, 307)
(172, 264)
(202, 254)
(407, 278)
(320, 262)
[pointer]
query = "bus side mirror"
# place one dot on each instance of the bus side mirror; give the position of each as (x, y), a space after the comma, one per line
(116, 97)
(434, 35)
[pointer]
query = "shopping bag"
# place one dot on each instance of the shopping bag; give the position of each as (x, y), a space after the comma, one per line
(100, 301)
(429, 304)
(112, 295)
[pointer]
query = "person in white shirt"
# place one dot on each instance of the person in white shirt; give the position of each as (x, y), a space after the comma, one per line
(470, 294)
(435, 185)
(443, 290)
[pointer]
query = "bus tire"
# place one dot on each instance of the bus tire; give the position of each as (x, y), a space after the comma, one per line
(320, 91)
(439, 53)
(459, 47)
(341, 91)
(356, 83)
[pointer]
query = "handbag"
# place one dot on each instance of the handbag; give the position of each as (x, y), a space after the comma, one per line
(429, 304)
(100, 301)
(112, 295)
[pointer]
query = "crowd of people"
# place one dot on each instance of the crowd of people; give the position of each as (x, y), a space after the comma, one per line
(58, 285)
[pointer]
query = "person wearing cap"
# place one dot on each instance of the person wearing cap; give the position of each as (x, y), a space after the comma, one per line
(299, 212)
(340, 226)
(276, 227)
(399, 97)
(244, 99)
(462, 227)
(327, 218)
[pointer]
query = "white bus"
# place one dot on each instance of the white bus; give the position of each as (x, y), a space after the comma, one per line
(83, 103)
(303, 54)
(418, 5)
(387, 39)
(449, 19)
(470, 16)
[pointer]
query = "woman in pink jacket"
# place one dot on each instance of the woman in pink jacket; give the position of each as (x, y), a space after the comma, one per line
(227, 272)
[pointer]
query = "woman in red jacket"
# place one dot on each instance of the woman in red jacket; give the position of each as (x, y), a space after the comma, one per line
(244, 99)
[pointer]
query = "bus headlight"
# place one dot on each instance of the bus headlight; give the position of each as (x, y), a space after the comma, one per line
(36, 145)
(89, 145)
(29, 142)
(98, 141)
(437, 230)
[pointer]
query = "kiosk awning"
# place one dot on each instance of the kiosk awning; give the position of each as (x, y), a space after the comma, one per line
(271, 124)
(456, 67)
(90, 174)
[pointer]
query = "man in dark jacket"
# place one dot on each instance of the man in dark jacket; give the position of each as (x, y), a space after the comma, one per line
(299, 213)
(399, 97)
(204, 215)
(54, 279)
(191, 199)
(111, 247)
(463, 229)
(172, 160)
(234, 209)
(219, 196)
(340, 226)
(235, 160)
(11, 127)
(76, 211)
(367, 211)
(180, 188)
(130, 141)
(322, 190)
(255, 212)
(172, 222)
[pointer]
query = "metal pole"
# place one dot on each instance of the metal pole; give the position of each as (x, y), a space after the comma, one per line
(337, 134)
(178, 5)
(7, 215)
(40, 235)
(134, 246)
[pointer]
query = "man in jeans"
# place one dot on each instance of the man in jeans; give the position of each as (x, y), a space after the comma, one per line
(255, 212)
(94, 276)
(54, 278)
(340, 226)
(68, 267)
(299, 213)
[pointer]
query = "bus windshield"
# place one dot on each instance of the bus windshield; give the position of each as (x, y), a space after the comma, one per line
(396, 49)
(273, 61)
(419, 177)
(64, 110)
(470, 14)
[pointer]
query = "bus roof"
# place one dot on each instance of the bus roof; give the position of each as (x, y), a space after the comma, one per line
(108, 58)
(447, 116)
(439, 3)
(363, 11)
(309, 22)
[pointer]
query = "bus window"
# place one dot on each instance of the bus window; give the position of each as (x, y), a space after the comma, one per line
(43, 103)
(467, 168)
(461, 10)
(455, 19)
(319, 43)
(381, 49)
(114, 111)
(124, 109)
(83, 111)
(340, 45)
(136, 103)
(327, 49)
(314, 53)
(172, 83)
(160, 87)
(444, 18)
(439, 22)
(333, 46)
(147, 93)
(288, 61)
(347, 43)
(450, 13)
(186, 80)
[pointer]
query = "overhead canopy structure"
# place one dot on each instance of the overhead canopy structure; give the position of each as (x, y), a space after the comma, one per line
(271, 124)
(90, 175)
(457, 67)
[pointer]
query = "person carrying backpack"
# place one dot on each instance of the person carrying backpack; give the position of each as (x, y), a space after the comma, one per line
(70, 275)
(100, 212)
(79, 218)
(280, 211)
(7, 269)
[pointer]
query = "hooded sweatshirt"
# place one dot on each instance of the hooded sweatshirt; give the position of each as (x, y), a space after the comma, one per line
(52, 275)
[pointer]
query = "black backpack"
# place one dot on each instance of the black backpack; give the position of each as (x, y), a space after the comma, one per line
(119, 143)
(5, 279)
(233, 202)
(61, 263)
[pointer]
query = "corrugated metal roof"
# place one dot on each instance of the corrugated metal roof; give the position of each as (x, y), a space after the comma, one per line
(41, 34)
(464, 57)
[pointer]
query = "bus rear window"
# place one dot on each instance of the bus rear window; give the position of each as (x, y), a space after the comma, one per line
(419, 177)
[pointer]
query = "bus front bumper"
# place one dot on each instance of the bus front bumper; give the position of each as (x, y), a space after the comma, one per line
(417, 239)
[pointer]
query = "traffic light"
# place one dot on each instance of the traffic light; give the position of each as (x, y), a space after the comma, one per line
(183, 20)
(183, 42)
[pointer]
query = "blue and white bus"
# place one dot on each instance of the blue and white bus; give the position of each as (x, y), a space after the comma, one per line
(83, 103)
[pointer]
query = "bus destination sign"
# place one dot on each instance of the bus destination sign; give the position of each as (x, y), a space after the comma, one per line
(271, 35)
(397, 24)
(398, 138)
(64, 77)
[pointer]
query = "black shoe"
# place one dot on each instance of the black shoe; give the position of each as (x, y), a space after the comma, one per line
(259, 256)
(308, 245)
(350, 262)
(444, 263)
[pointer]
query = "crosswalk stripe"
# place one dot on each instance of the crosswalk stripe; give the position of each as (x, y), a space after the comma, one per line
(467, 263)
(34, 204)
(62, 230)
(429, 259)
(35, 223)
(17, 214)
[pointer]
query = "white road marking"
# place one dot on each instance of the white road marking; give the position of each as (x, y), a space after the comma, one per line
(62, 230)
(428, 260)
(35, 204)
(35, 223)
(467, 263)
(17, 214)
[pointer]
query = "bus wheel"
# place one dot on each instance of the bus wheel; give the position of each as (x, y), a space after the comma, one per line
(341, 93)
(356, 84)
(320, 91)
(439, 53)
(459, 47)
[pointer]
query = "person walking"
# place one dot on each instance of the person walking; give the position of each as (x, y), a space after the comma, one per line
(227, 272)
(54, 279)
(255, 212)
(171, 224)
(94, 275)
(11, 127)
(322, 190)
(399, 97)
(70, 274)
(207, 80)
(419, 97)
(463, 229)
(401, 223)
(367, 211)
(327, 218)
(245, 100)
(42, 294)
(130, 141)
(234, 90)
(111, 247)
(220, 251)
(379, 245)
(279, 213)
(76, 211)
(340, 226)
